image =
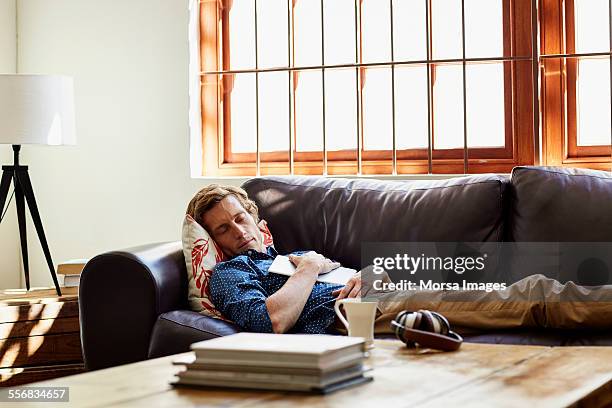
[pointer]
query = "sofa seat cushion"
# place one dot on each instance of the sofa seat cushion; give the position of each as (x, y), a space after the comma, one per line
(175, 331)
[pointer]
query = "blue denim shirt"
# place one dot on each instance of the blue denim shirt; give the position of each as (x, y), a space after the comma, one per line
(240, 286)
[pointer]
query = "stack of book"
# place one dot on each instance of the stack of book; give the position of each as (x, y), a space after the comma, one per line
(69, 272)
(288, 362)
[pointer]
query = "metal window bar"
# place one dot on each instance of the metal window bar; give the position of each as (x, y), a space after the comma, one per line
(290, 82)
(610, 40)
(323, 88)
(394, 142)
(392, 63)
(463, 65)
(429, 90)
(358, 94)
(575, 55)
(257, 154)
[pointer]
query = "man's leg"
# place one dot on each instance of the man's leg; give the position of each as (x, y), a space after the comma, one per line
(535, 301)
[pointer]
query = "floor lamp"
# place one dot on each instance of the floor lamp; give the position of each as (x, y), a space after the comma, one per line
(34, 109)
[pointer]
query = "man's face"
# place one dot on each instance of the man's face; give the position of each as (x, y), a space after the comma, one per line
(232, 227)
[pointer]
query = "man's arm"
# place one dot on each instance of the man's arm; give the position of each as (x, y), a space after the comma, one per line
(239, 296)
(286, 305)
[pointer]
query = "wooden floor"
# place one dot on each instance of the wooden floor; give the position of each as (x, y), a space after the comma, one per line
(478, 375)
(39, 335)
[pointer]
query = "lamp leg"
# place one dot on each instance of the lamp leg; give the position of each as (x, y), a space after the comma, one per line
(24, 181)
(7, 176)
(21, 218)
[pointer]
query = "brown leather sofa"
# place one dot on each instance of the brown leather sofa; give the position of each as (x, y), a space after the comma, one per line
(133, 303)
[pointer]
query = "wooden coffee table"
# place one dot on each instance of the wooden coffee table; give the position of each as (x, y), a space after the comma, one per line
(476, 375)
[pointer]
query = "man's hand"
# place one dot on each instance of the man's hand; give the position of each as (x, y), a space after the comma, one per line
(313, 261)
(352, 288)
(286, 305)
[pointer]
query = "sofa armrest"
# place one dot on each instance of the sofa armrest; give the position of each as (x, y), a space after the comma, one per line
(121, 294)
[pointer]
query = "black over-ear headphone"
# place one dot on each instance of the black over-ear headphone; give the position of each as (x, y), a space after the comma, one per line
(425, 329)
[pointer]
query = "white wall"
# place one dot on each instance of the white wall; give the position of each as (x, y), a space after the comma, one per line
(127, 182)
(7, 36)
(9, 234)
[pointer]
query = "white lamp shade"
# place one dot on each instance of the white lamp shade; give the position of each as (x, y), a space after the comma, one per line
(36, 109)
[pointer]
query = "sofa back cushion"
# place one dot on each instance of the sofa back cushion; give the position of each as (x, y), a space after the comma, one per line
(560, 205)
(334, 216)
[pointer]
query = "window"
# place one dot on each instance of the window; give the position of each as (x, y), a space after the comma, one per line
(576, 83)
(402, 86)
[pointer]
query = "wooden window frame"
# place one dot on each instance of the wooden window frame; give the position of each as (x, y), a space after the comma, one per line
(217, 159)
(559, 87)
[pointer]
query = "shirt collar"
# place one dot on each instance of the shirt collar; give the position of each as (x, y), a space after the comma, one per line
(254, 254)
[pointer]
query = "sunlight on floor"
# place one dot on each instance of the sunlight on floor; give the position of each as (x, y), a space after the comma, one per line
(34, 344)
(9, 356)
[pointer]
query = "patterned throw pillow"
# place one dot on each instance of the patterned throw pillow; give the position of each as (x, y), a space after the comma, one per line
(201, 255)
(265, 232)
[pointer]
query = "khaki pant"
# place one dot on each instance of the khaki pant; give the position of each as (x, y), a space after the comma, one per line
(535, 301)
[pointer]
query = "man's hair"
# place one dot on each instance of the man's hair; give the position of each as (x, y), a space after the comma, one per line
(211, 195)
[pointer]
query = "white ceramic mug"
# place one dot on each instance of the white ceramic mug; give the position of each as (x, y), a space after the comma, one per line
(360, 317)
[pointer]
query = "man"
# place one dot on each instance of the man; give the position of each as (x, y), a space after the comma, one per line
(242, 289)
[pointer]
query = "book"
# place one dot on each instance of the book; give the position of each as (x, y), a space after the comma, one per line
(313, 381)
(283, 362)
(193, 364)
(71, 267)
(320, 351)
(283, 266)
(190, 382)
(70, 280)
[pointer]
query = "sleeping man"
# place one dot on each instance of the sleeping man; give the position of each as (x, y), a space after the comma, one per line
(242, 289)
(244, 292)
